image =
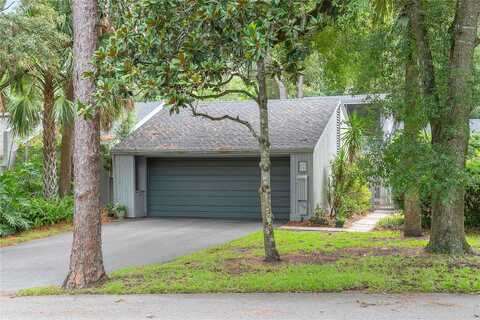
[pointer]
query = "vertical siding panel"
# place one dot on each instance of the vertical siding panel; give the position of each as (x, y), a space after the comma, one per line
(301, 185)
(141, 187)
(324, 152)
(124, 182)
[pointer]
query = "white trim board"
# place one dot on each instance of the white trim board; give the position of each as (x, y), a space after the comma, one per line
(148, 117)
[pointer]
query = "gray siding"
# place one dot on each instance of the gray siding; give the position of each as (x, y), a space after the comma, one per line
(124, 182)
(3, 128)
(323, 154)
(215, 188)
(301, 203)
(8, 146)
(141, 187)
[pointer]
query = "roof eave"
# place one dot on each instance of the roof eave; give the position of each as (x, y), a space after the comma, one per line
(206, 153)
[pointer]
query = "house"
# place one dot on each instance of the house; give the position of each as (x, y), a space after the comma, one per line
(474, 126)
(184, 166)
(141, 112)
(8, 146)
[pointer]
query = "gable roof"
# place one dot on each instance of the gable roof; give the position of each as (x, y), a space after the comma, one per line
(142, 111)
(295, 125)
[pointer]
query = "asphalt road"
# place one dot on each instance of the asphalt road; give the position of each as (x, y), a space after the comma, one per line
(129, 243)
(325, 306)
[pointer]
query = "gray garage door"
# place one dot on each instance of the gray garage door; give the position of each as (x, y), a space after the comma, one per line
(214, 188)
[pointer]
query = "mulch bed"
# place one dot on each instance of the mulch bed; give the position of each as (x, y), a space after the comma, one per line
(308, 223)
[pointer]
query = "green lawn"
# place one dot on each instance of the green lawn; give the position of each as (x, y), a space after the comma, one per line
(375, 262)
(37, 233)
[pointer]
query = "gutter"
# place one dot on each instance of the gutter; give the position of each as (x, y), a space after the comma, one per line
(215, 153)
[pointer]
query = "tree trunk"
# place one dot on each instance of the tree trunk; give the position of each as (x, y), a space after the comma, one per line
(299, 85)
(271, 252)
(282, 89)
(49, 152)
(86, 260)
(451, 138)
(413, 213)
(412, 125)
(66, 150)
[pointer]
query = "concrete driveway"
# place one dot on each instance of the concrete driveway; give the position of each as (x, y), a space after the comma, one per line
(129, 243)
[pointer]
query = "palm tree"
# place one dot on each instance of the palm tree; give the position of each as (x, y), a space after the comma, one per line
(38, 48)
(352, 137)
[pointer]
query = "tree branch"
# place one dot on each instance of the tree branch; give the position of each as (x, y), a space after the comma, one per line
(325, 7)
(224, 117)
(419, 30)
(223, 93)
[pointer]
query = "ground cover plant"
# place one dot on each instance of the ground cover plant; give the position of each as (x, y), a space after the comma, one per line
(22, 205)
(311, 262)
(391, 222)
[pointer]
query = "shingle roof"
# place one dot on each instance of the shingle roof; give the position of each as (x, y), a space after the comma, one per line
(142, 109)
(295, 124)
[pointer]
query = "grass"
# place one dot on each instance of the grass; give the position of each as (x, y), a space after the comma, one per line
(391, 222)
(311, 262)
(37, 233)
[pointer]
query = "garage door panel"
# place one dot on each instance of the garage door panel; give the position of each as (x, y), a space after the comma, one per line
(200, 201)
(207, 193)
(214, 188)
(193, 185)
(218, 212)
(214, 201)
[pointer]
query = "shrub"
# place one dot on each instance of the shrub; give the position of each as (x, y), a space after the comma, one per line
(40, 212)
(393, 222)
(22, 205)
(348, 192)
(117, 210)
(320, 216)
(472, 196)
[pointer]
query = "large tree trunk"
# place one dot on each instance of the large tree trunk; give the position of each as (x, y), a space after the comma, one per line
(413, 213)
(86, 260)
(451, 138)
(299, 85)
(412, 125)
(66, 150)
(282, 89)
(49, 152)
(271, 252)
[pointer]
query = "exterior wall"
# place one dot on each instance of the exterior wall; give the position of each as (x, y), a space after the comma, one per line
(301, 186)
(3, 128)
(124, 182)
(140, 187)
(8, 147)
(324, 152)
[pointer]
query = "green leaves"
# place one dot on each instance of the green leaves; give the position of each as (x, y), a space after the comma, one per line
(87, 111)
(179, 50)
(21, 201)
